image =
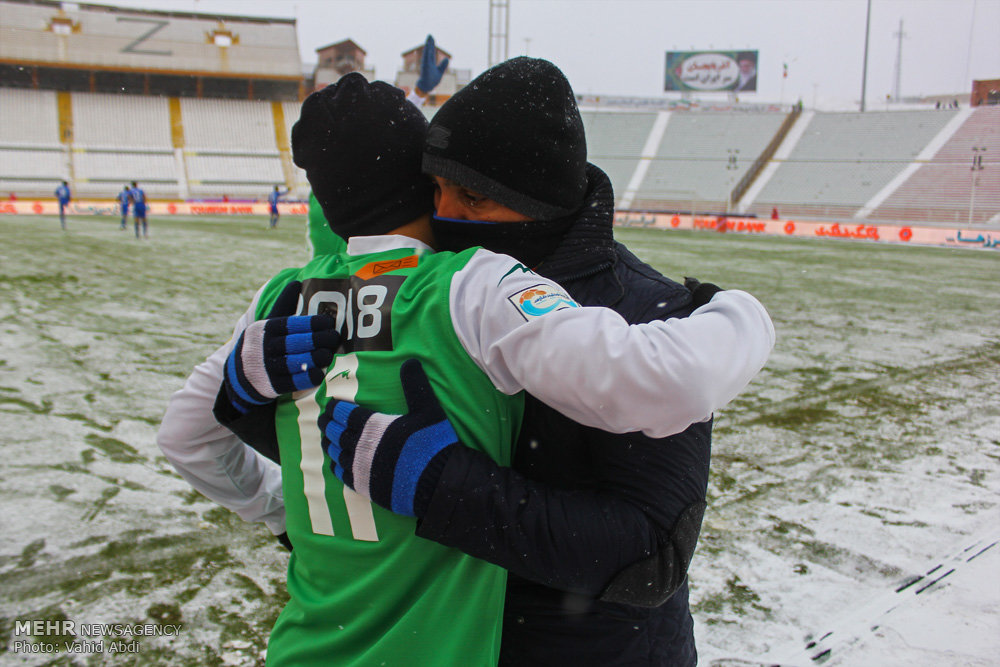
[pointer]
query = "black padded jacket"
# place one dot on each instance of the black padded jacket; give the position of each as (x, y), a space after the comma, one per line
(596, 529)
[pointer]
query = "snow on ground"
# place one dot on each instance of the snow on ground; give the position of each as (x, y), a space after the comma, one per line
(864, 453)
(863, 457)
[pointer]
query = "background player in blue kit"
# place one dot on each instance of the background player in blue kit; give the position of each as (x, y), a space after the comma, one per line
(123, 200)
(138, 198)
(62, 194)
(273, 199)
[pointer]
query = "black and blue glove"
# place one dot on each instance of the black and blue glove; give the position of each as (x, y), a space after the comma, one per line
(280, 354)
(430, 70)
(393, 460)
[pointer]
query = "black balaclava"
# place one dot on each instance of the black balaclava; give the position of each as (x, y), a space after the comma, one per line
(360, 144)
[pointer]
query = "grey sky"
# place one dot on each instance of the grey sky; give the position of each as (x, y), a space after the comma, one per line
(617, 47)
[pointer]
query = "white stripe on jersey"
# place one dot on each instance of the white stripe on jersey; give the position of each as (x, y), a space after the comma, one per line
(312, 464)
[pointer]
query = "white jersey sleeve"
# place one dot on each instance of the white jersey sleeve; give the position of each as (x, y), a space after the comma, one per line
(209, 457)
(525, 332)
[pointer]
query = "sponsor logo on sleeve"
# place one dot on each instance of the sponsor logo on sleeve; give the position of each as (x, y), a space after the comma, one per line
(540, 299)
(517, 267)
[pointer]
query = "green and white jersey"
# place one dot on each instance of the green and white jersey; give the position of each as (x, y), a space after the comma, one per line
(363, 589)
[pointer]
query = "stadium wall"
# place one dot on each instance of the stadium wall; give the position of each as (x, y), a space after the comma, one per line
(101, 207)
(956, 237)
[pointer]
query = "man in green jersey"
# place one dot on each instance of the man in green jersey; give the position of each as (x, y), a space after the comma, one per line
(363, 589)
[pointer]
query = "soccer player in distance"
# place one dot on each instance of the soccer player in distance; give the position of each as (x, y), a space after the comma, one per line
(123, 202)
(62, 197)
(138, 198)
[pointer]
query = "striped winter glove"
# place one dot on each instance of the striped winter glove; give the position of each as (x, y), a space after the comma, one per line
(393, 460)
(280, 354)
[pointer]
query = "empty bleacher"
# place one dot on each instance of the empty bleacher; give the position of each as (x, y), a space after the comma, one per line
(32, 158)
(230, 147)
(897, 165)
(615, 142)
(948, 188)
(228, 125)
(30, 118)
(223, 147)
(118, 139)
(842, 160)
(702, 156)
(244, 175)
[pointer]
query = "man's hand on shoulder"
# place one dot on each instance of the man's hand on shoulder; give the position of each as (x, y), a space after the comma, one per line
(393, 460)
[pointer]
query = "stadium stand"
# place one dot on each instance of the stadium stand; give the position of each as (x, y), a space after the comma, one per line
(188, 104)
(113, 121)
(703, 155)
(950, 187)
(121, 138)
(248, 175)
(240, 148)
(843, 159)
(226, 125)
(230, 147)
(615, 142)
(29, 118)
(32, 158)
(202, 106)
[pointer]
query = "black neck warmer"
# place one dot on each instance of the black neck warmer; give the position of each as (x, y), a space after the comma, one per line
(527, 242)
(588, 246)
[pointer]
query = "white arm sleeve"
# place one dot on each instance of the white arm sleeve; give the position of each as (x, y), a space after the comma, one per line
(591, 365)
(213, 460)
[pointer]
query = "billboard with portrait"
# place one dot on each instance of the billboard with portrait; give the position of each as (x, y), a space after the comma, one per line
(710, 71)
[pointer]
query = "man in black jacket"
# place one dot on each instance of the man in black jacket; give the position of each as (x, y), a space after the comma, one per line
(596, 529)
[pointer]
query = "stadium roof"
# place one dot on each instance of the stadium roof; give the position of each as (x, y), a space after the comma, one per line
(79, 35)
(59, 4)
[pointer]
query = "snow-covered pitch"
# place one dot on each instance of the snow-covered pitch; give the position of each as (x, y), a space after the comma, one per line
(853, 515)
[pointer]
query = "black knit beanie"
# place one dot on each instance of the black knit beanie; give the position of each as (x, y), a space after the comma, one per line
(360, 144)
(515, 135)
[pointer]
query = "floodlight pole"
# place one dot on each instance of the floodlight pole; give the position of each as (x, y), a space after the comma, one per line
(896, 92)
(864, 70)
(499, 30)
